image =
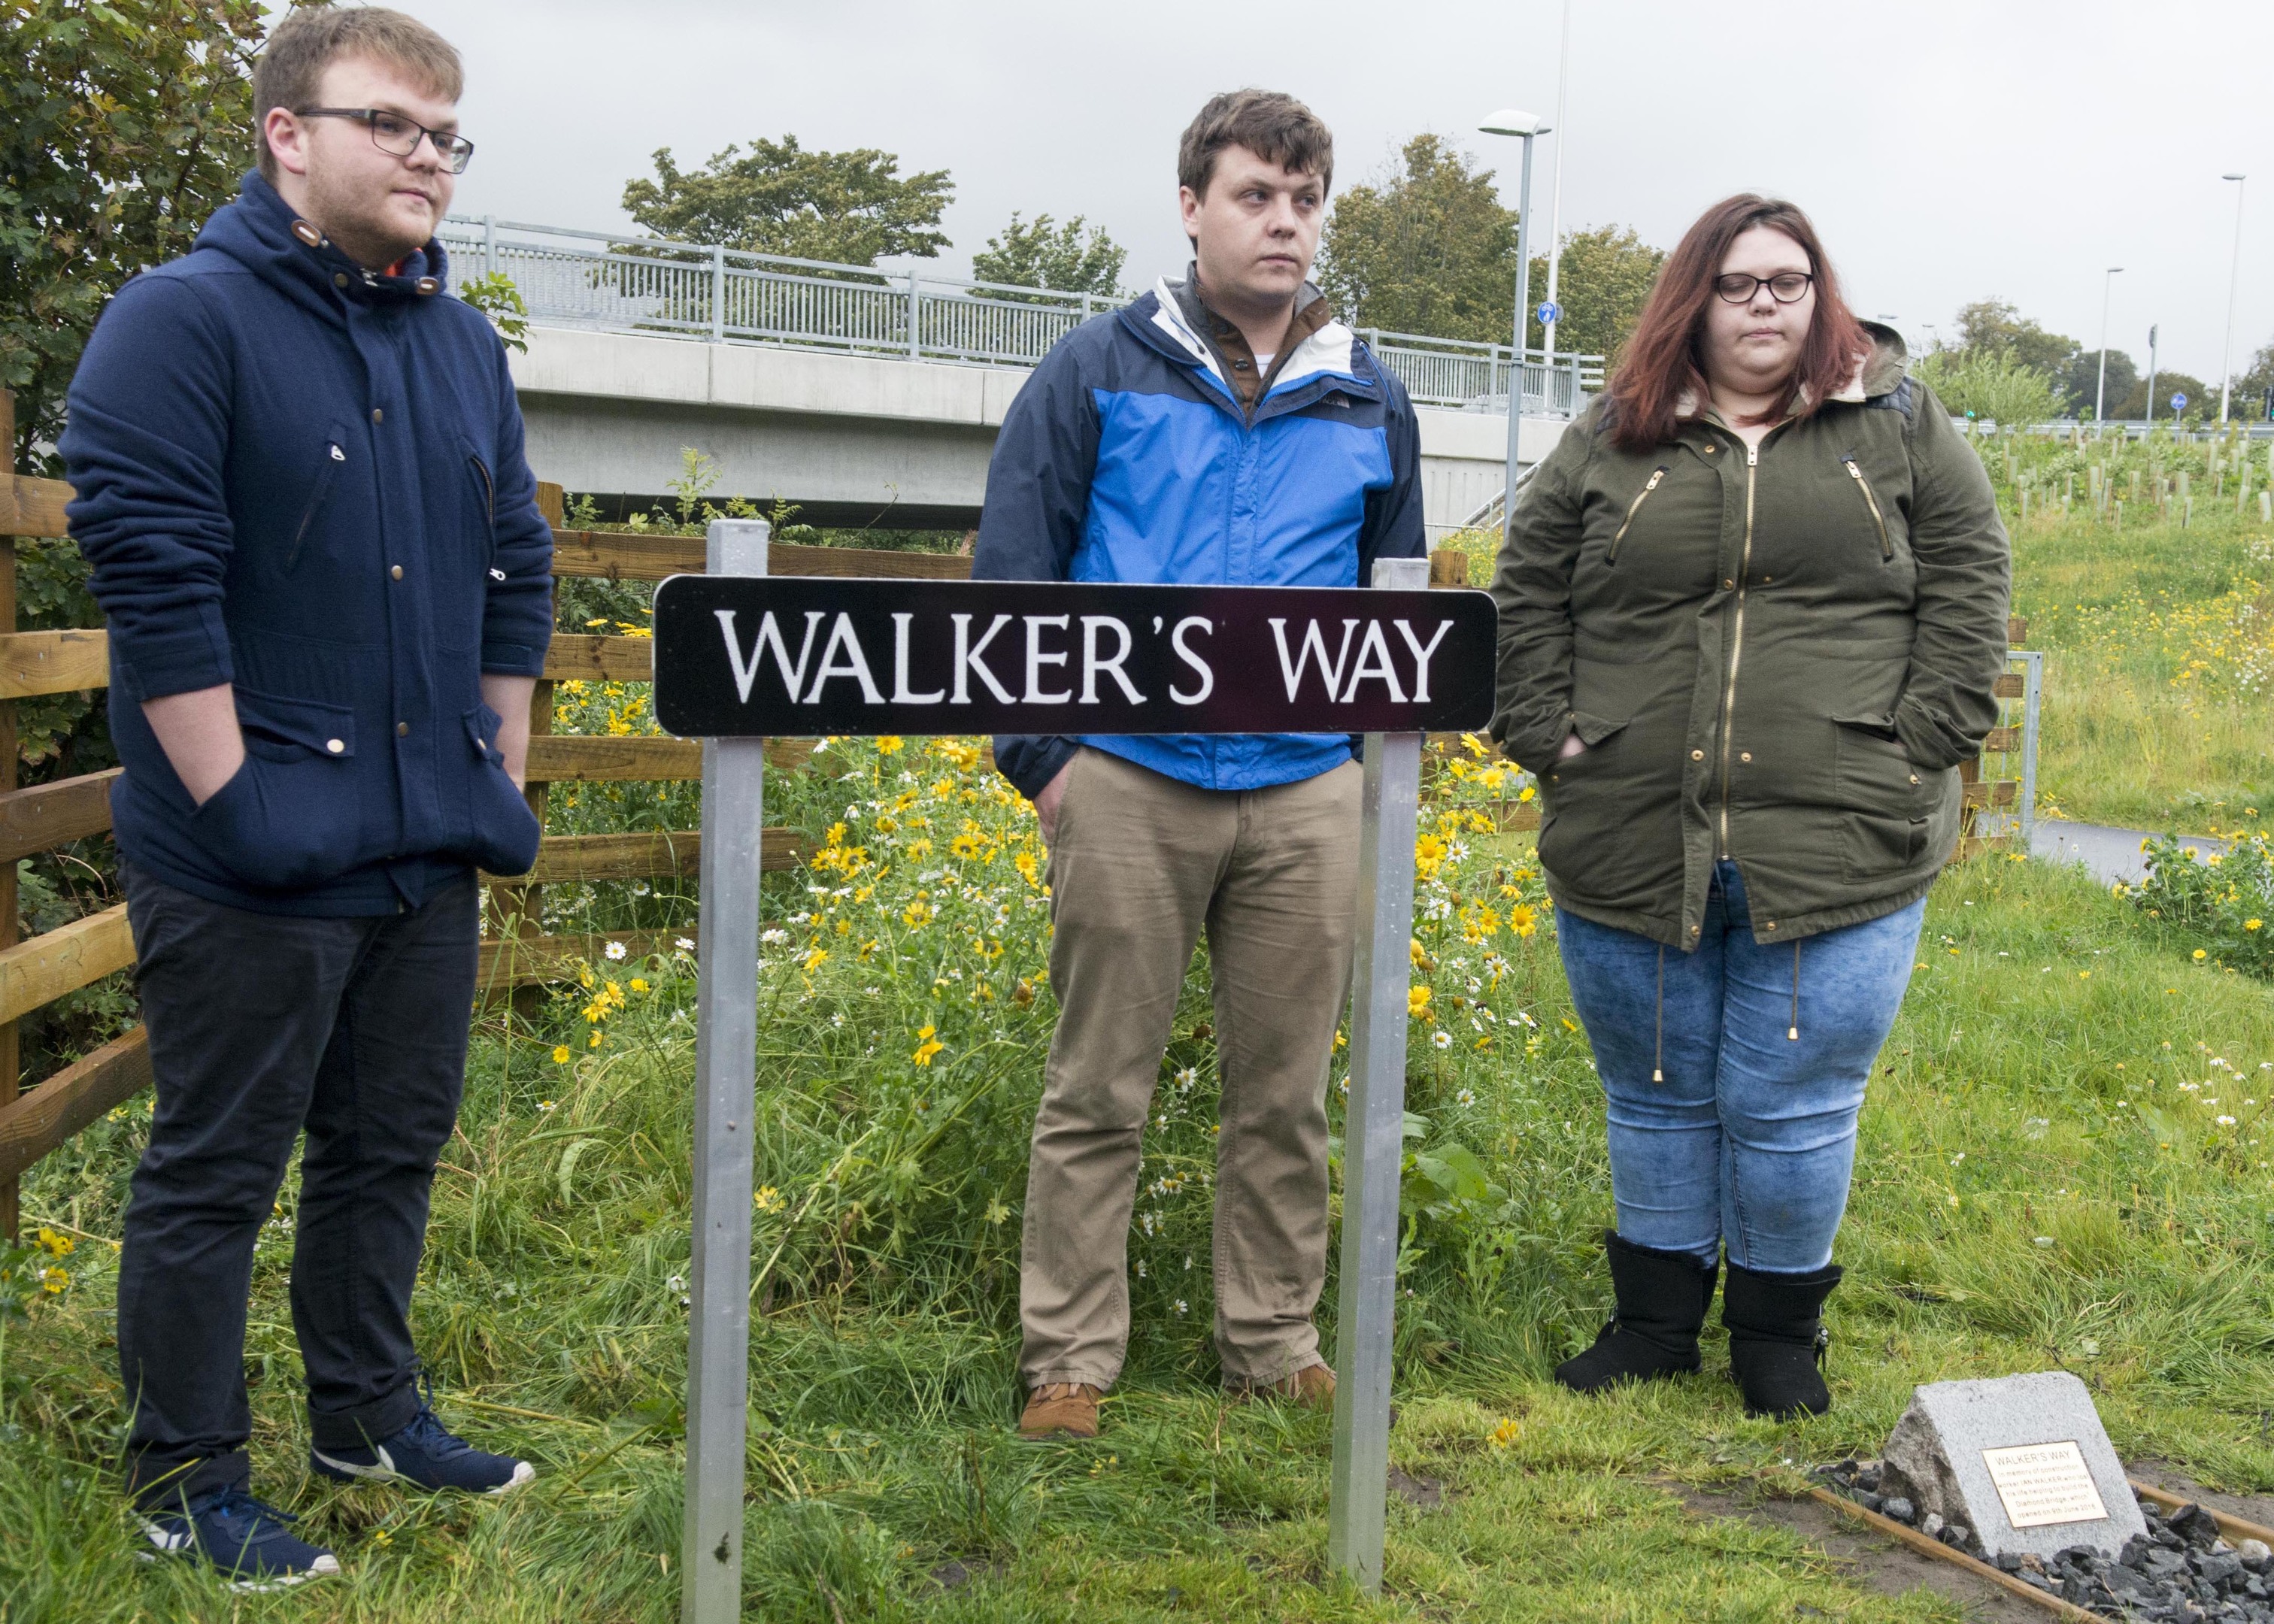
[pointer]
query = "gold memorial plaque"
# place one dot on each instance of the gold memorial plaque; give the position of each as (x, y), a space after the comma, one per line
(2042, 1484)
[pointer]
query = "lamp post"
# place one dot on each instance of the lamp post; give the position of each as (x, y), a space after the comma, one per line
(1524, 126)
(2100, 390)
(2152, 331)
(1556, 188)
(2233, 278)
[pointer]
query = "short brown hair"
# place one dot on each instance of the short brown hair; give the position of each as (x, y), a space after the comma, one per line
(313, 37)
(1274, 127)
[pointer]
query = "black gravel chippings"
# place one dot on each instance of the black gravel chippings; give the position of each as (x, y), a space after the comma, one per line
(2181, 1571)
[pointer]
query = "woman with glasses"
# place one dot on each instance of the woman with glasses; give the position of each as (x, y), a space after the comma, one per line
(1752, 612)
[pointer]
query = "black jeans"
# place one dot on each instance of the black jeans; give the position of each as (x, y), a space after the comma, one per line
(262, 1025)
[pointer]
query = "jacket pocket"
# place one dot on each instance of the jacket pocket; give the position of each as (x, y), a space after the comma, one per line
(1580, 794)
(504, 832)
(1871, 501)
(1633, 508)
(1886, 800)
(291, 819)
(327, 470)
(484, 494)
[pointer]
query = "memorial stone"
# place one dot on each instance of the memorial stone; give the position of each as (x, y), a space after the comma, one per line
(2021, 1461)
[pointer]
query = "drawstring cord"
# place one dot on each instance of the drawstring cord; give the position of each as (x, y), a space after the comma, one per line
(1658, 1060)
(1792, 1033)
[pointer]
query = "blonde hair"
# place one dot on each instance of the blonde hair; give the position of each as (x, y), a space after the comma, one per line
(313, 37)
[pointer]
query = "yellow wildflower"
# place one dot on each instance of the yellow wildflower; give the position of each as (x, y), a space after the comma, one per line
(927, 1046)
(1417, 1004)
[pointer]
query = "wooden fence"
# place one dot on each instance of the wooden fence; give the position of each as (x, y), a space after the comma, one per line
(515, 953)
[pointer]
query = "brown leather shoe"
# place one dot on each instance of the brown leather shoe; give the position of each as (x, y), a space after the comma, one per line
(1312, 1387)
(1061, 1410)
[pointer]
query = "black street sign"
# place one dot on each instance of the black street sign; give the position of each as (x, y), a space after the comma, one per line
(737, 655)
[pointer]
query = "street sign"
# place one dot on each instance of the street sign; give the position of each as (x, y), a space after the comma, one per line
(792, 657)
(1549, 312)
(2179, 403)
(740, 656)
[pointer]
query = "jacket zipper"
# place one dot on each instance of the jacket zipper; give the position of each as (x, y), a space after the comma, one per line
(1886, 547)
(489, 512)
(1736, 643)
(315, 503)
(1633, 508)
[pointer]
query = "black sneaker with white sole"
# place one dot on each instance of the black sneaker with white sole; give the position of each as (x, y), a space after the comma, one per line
(426, 1455)
(241, 1539)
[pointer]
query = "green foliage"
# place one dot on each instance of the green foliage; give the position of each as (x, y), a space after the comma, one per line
(2202, 398)
(1041, 254)
(1427, 247)
(2080, 384)
(123, 126)
(2222, 899)
(1424, 247)
(496, 297)
(1993, 386)
(846, 208)
(1992, 326)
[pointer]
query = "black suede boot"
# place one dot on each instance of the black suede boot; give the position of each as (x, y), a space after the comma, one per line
(1662, 1302)
(1777, 1340)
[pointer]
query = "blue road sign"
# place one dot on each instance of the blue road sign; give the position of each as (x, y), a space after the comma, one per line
(2179, 403)
(1549, 312)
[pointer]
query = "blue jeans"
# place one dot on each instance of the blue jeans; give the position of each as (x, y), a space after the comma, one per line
(1751, 1139)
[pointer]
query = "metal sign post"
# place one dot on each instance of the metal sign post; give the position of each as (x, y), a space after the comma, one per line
(725, 1084)
(1374, 1139)
(737, 660)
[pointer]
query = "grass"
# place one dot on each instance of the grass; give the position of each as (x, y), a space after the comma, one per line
(2044, 1180)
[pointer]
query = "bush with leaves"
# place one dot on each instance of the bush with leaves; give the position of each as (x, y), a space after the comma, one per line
(2223, 899)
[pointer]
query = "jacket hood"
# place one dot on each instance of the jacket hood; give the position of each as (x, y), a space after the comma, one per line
(1883, 366)
(259, 231)
(1328, 355)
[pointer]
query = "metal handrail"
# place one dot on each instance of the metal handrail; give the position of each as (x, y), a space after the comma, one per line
(736, 295)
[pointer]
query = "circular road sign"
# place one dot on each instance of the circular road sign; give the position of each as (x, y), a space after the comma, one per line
(2179, 403)
(1550, 313)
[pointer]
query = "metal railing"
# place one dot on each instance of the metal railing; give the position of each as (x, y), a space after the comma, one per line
(613, 284)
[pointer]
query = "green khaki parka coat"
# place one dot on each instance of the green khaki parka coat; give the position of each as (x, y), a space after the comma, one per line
(1779, 658)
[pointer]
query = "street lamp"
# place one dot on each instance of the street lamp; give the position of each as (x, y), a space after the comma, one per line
(2100, 390)
(2233, 276)
(1524, 126)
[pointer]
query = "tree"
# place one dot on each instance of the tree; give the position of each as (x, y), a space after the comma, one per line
(846, 208)
(2080, 379)
(2202, 398)
(1426, 247)
(1993, 326)
(1988, 384)
(1605, 279)
(1041, 254)
(123, 126)
(2254, 388)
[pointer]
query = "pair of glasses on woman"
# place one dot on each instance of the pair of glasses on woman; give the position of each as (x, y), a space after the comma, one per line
(1786, 288)
(393, 133)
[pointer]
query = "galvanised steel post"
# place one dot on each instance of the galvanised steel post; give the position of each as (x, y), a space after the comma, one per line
(2033, 688)
(719, 299)
(726, 1063)
(1523, 323)
(1373, 1126)
(489, 244)
(2234, 281)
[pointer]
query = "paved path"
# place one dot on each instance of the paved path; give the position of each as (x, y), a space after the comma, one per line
(2107, 855)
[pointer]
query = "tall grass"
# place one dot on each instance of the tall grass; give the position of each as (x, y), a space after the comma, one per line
(2044, 1180)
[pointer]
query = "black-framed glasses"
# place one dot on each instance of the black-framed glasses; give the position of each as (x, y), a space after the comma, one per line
(392, 133)
(1786, 287)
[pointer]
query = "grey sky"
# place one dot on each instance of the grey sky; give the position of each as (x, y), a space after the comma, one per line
(1947, 151)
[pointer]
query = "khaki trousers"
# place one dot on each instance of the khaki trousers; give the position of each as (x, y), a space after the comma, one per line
(1141, 864)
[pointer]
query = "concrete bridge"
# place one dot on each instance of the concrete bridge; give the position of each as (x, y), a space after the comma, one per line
(852, 440)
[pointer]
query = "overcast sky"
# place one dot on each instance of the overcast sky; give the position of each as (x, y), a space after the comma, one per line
(1947, 151)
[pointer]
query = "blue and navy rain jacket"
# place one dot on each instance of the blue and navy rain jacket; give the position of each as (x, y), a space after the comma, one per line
(1127, 457)
(308, 482)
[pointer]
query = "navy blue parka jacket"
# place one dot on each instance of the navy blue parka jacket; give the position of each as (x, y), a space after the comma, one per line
(308, 481)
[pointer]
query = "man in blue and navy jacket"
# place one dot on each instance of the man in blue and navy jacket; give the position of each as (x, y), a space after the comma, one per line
(301, 488)
(1225, 430)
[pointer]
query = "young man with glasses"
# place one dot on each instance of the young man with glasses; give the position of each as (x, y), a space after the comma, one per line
(301, 487)
(1222, 429)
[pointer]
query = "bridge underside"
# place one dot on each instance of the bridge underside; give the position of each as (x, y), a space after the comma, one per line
(853, 441)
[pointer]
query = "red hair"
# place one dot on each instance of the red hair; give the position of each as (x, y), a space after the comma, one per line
(1664, 360)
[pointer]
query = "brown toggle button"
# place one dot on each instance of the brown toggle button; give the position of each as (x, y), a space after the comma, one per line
(379, 414)
(1696, 755)
(1743, 756)
(339, 279)
(338, 747)
(402, 730)
(427, 284)
(307, 233)
(397, 573)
